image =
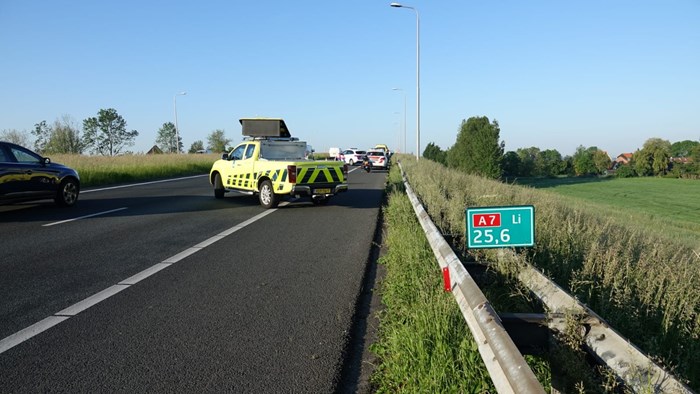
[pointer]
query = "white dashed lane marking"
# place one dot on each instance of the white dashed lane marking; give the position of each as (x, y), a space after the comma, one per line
(63, 315)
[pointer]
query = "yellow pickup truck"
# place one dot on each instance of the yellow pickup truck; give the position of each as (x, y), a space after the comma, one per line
(272, 164)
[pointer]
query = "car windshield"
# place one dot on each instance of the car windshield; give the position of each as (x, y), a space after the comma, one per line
(360, 152)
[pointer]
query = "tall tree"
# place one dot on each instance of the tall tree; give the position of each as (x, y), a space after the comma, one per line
(106, 134)
(15, 136)
(478, 149)
(653, 158)
(683, 148)
(511, 164)
(166, 138)
(641, 161)
(64, 137)
(434, 153)
(695, 157)
(582, 160)
(218, 141)
(549, 163)
(601, 161)
(42, 136)
(568, 165)
(528, 158)
(196, 146)
(695, 153)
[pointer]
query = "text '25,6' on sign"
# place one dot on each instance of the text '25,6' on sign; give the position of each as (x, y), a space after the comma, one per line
(500, 227)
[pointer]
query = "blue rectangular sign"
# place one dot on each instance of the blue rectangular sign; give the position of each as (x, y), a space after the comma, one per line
(500, 227)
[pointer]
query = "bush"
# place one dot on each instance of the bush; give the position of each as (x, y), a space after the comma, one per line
(625, 171)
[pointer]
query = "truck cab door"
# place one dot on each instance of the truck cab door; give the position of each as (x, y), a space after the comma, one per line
(242, 165)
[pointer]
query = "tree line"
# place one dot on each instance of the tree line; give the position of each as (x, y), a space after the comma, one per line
(479, 150)
(105, 134)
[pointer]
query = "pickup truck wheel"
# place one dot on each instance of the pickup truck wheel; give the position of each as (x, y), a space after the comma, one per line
(268, 198)
(218, 187)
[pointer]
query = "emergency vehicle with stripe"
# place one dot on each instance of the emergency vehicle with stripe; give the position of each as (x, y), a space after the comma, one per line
(273, 165)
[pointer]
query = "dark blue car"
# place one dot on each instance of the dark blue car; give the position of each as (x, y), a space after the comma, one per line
(27, 176)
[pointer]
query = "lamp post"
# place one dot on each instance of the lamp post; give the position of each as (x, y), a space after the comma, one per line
(398, 132)
(177, 131)
(404, 118)
(398, 5)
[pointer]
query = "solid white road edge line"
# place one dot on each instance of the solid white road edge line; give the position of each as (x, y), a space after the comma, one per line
(141, 184)
(84, 217)
(59, 317)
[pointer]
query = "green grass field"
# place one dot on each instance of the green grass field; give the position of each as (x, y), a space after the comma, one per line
(672, 204)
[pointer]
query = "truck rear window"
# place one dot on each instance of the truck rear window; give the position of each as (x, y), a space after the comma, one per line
(283, 151)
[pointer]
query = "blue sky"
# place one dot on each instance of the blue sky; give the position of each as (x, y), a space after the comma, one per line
(554, 74)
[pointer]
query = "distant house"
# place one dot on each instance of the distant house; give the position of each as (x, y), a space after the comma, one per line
(623, 158)
(154, 151)
(682, 160)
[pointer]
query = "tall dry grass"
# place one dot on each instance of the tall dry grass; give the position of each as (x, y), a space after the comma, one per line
(102, 170)
(641, 279)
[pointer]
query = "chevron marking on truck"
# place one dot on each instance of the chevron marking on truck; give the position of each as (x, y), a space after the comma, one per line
(318, 175)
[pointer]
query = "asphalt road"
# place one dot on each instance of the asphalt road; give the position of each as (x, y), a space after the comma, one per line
(193, 293)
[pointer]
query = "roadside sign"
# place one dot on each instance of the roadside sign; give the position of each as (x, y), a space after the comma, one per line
(500, 227)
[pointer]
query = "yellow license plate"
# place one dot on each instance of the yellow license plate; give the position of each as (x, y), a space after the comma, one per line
(322, 191)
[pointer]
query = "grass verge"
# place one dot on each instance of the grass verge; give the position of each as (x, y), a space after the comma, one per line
(425, 345)
(640, 278)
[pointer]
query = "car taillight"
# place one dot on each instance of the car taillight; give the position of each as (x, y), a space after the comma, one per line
(292, 174)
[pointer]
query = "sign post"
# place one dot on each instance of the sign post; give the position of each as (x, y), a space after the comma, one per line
(500, 227)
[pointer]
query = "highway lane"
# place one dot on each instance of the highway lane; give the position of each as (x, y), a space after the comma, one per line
(266, 308)
(46, 269)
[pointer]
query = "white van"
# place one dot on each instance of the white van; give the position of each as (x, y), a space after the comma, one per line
(334, 153)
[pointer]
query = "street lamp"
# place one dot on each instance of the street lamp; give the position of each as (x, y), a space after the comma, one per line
(404, 118)
(398, 133)
(177, 132)
(398, 5)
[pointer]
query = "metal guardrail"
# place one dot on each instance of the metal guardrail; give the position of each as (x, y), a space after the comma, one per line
(506, 365)
(628, 362)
